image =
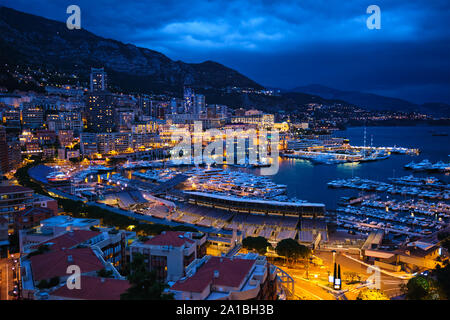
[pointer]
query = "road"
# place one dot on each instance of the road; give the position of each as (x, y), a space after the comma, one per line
(310, 289)
(304, 289)
(310, 282)
(388, 284)
(6, 276)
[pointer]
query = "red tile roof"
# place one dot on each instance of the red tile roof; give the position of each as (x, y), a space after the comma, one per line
(170, 238)
(32, 211)
(69, 239)
(92, 288)
(231, 274)
(55, 263)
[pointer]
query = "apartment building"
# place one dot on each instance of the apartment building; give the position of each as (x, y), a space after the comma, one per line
(243, 277)
(13, 199)
(170, 253)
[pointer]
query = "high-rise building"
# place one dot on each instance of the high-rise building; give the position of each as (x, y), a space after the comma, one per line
(100, 112)
(32, 116)
(189, 98)
(98, 79)
(176, 106)
(88, 143)
(14, 153)
(10, 151)
(145, 104)
(100, 109)
(220, 111)
(199, 104)
(11, 118)
(14, 199)
(65, 137)
(68, 120)
(4, 161)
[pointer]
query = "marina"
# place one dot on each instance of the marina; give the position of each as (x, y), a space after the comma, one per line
(430, 191)
(426, 165)
(230, 197)
(400, 217)
(347, 156)
(232, 182)
(224, 150)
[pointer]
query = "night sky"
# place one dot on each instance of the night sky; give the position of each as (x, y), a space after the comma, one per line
(287, 43)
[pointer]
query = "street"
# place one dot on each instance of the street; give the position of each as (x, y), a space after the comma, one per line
(311, 281)
(390, 285)
(7, 279)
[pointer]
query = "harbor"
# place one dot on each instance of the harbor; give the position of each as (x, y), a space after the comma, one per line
(227, 197)
(426, 165)
(432, 190)
(350, 154)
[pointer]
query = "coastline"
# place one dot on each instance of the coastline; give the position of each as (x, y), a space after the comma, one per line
(399, 123)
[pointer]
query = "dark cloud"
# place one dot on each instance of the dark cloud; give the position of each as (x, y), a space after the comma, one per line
(287, 43)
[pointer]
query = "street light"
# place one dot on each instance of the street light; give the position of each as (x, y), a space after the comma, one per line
(331, 277)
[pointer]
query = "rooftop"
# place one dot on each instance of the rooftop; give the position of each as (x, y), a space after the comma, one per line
(94, 288)
(55, 263)
(231, 273)
(266, 202)
(66, 221)
(69, 239)
(421, 245)
(170, 238)
(33, 211)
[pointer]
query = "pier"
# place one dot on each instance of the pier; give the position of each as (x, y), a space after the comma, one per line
(398, 150)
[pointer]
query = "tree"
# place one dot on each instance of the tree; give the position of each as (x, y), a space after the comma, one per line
(76, 160)
(371, 294)
(433, 286)
(443, 235)
(442, 276)
(103, 273)
(40, 250)
(417, 288)
(258, 244)
(44, 284)
(291, 249)
(53, 282)
(352, 276)
(445, 243)
(144, 284)
(422, 288)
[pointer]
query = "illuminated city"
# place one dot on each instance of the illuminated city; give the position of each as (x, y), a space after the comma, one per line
(130, 176)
